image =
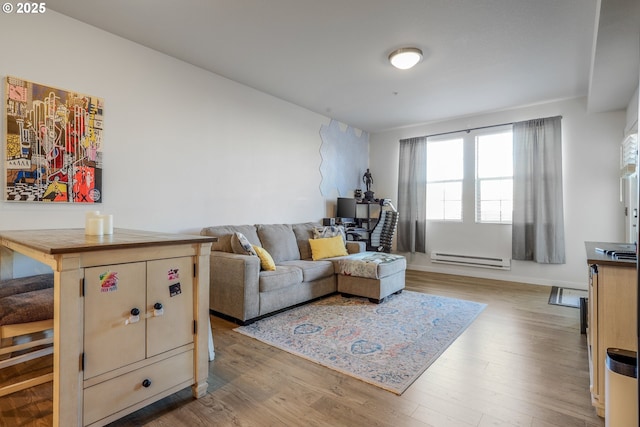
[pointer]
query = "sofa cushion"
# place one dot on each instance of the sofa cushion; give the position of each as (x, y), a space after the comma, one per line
(327, 248)
(224, 233)
(376, 265)
(241, 245)
(312, 270)
(304, 232)
(266, 261)
(279, 241)
(282, 277)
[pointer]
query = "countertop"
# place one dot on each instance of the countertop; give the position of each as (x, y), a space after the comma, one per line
(64, 241)
(594, 257)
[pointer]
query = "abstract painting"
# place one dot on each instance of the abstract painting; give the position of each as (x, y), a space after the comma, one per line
(54, 144)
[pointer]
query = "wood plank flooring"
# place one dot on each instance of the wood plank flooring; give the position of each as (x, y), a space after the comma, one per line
(522, 362)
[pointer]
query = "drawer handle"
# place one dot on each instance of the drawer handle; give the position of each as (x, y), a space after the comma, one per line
(157, 306)
(135, 312)
(146, 383)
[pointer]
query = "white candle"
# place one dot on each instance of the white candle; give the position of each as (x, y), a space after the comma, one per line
(107, 224)
(91, 214)
(94, 226)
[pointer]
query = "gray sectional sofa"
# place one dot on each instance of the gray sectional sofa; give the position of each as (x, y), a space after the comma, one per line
(240, 290)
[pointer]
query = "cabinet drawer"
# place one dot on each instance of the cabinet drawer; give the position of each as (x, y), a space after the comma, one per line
(119, 393)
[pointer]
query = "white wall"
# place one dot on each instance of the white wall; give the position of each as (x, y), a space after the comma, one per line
(592, 208)
(184, 148)
(632, 115)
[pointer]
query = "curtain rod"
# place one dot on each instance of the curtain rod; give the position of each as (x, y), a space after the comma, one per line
(483, 127)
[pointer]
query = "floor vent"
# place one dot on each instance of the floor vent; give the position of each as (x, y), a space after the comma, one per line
(471, 260)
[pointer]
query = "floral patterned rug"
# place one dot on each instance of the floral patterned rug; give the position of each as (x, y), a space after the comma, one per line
(388, 345)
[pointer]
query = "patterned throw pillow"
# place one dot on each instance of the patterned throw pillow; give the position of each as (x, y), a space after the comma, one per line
(329, 231)
(241, 245)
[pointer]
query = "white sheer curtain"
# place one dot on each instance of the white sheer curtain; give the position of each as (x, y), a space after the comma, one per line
(538, 214)
(412, 195)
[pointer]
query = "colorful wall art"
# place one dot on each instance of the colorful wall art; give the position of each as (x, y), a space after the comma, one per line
(53, 144)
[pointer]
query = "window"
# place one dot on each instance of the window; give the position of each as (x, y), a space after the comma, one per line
(470, 176)
(445, 173)
(494, 177)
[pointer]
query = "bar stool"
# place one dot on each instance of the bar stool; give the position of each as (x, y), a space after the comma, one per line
(26, 325)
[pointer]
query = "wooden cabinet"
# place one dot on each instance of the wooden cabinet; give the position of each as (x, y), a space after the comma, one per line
(135, 314)
(131, 318)
(611, 318)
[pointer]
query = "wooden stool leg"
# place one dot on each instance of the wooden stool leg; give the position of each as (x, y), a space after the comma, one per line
(22, 385)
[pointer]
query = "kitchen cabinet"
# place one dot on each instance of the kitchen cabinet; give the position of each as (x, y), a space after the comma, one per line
(611, 314)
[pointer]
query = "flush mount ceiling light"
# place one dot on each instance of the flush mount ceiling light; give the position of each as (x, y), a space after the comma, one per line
(405, 58)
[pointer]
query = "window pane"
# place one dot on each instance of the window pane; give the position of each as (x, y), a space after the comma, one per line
(494, 177)
(495, 201)
(506, 210)
(452, 190)
(445, 160)
(435, 209)
(453, 210)
(490, 211)
(444, 201)
(494, 155)
(496, 189)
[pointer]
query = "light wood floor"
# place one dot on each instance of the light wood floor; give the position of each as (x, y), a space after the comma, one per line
(522, 362)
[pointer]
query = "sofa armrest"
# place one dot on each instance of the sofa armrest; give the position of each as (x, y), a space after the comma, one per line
(356, 247)
(234, 284)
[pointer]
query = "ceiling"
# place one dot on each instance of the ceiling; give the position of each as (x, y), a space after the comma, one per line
(330, 56)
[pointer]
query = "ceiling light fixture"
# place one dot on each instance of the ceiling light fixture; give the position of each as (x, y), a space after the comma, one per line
(405, 58)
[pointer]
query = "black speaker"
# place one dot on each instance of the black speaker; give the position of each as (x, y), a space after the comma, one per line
(328, 221)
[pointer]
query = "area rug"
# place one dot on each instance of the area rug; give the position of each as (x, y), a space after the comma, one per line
(567, 297)
(388, 345)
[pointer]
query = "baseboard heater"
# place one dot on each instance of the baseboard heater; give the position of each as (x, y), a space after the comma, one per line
(471, 260)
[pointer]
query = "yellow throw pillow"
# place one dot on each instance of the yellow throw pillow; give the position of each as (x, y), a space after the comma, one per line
(266, 262)
(328, 247)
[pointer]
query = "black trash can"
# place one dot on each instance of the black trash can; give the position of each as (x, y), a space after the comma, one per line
(621, 388)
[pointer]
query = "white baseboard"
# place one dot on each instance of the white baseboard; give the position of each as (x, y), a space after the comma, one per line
(490, 274)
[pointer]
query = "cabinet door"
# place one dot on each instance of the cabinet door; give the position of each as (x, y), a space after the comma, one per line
(617, 301)
(112, 338)
(169, 283)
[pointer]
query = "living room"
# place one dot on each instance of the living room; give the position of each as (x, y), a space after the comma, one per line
(194, 149)
(226, 129)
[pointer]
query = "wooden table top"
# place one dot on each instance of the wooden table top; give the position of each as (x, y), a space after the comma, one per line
(73, 240)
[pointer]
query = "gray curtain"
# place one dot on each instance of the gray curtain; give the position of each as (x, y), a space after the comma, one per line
(412, 195)
(538, 214)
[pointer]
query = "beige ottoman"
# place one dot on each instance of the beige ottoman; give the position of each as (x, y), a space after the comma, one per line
(372, 275)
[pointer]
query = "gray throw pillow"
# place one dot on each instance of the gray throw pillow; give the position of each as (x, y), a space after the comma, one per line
(240, 245)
